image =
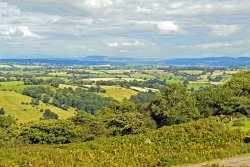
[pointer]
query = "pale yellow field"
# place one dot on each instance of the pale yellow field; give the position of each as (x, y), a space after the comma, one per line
(116, 71)
(62, 86)
(4, 66)
(101, 79)
(60, 74)
(192, 71)
(11, 102)
(112, 79)
(140, 89)
(217, 72)
(132, 79)
(26, 66)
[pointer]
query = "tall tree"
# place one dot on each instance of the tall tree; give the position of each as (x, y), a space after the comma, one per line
(174, 106)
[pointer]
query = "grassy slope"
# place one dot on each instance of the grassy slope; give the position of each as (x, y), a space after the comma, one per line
(18, 86)
(14, 85)
(180, 144)
(11, 102)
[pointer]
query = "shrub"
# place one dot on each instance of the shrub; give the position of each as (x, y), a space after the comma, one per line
(48, 114)
(2, 112)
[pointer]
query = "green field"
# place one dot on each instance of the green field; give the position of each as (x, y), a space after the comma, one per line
(11, 102)
(197, 85)
(20, 72)
(192, 72)
(59, 74)
(17, 86)
(117, 93)
(142, 76)
(245, 125)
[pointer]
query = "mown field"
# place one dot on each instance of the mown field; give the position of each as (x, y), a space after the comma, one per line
(188, 143)
(12, 103)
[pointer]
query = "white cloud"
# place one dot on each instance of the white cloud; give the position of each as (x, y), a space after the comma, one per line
(143, 9)
(165, 27)
(215, 45)
(98, 3)
(92, 6)
(133, 43)
(224, 30)
(114, 44)
(125, 43)
(21, 31)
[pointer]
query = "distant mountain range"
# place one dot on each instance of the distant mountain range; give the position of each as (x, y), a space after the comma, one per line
(104, 60)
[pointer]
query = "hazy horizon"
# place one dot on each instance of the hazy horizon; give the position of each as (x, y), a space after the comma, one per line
(124, 28)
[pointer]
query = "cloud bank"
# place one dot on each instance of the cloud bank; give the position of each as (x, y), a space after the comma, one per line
(151, 28)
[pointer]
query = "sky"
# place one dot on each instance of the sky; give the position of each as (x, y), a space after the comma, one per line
(124, 28)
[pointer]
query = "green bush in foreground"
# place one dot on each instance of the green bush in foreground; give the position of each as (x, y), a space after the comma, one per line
(179, 144)
(2, 112)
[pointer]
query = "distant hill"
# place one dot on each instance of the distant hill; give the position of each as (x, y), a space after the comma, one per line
(211, 61)
(103, 60)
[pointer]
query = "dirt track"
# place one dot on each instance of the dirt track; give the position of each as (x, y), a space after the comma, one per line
(239, 161)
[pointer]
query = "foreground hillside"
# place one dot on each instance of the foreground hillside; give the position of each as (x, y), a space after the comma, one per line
(194, 142)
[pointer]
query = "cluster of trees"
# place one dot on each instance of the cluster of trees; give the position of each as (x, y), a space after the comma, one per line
(97, 89)
(55, 82)
(38, 92)
(143, 97)
(189, 77)
(215, 79)
(230, 99)
(33, 81)
(80, 99)
(82, 127)
(151, 83)
(78, 72)
(64, 98)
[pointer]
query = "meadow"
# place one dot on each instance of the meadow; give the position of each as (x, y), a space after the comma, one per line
(12, 103)
(117, 93)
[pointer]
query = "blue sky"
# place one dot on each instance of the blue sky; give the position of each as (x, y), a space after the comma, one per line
(128, 28)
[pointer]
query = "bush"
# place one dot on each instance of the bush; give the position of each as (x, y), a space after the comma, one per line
(2, 112)
(6, 121)
(48, 114)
